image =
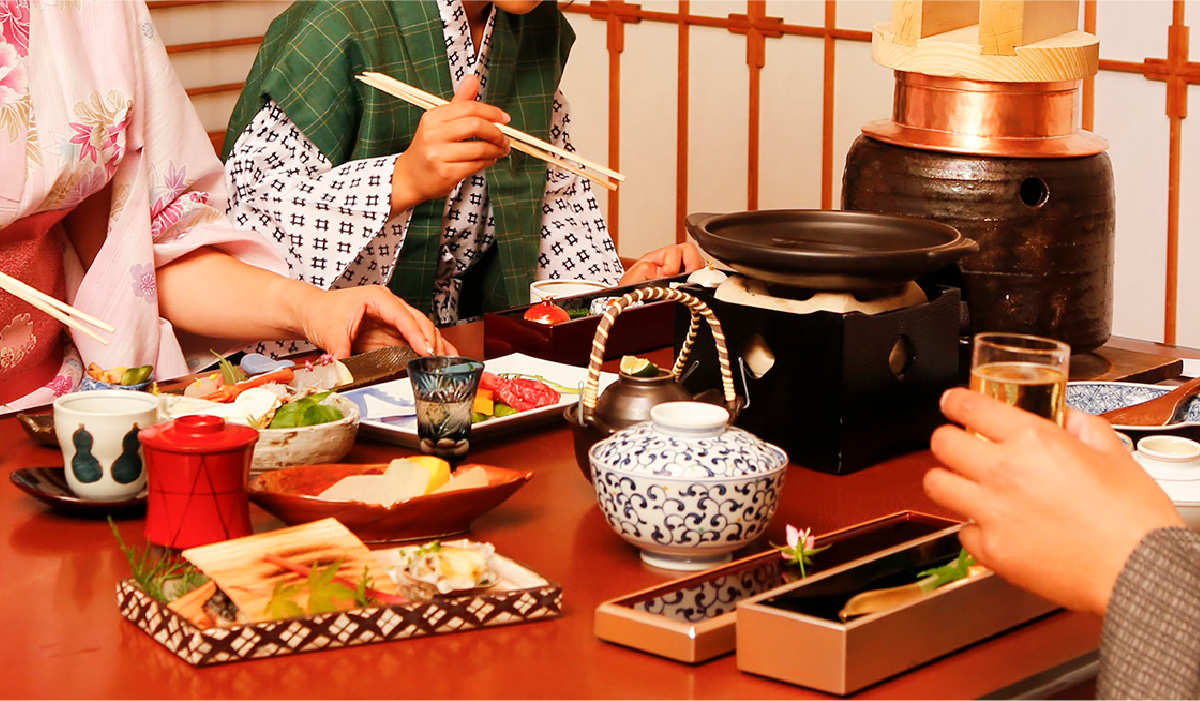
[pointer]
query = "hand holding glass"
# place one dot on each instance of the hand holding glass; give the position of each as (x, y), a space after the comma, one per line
(1025, 371)
(444, 390)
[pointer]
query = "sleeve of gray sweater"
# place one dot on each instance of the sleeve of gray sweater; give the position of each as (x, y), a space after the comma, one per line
(1150, 647)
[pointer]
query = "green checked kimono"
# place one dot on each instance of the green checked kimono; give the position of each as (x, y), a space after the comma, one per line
(310, 153)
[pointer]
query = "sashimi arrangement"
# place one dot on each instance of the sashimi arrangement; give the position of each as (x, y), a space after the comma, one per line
(510, 393)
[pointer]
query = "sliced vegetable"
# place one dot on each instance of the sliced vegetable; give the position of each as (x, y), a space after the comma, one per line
(484, 403)
(136, 376)
(504, 410)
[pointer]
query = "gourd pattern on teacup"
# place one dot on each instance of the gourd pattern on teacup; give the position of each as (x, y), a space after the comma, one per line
(715, 516)
(126, 469)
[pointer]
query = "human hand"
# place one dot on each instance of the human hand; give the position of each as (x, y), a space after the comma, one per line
(665, 262)
(365, 318)
(1054, 511)
(452, 142)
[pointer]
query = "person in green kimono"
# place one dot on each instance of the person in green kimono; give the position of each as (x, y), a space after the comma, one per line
(358, 187)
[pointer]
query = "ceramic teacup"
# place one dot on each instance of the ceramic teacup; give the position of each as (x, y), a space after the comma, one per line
(556, 289)
(98, 434)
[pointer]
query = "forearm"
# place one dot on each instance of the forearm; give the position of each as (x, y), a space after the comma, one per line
(211, 294)
(404, 194)
(1150, 646)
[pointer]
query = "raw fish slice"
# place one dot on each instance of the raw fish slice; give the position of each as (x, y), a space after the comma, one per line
(258, 364)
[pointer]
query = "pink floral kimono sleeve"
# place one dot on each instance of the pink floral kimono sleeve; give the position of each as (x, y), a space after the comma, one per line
(121, 118)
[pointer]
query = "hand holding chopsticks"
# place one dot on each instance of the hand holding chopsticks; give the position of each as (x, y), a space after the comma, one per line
(54, 307)
(520, 141)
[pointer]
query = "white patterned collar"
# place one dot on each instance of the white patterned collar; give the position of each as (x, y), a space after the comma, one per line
(460, 51)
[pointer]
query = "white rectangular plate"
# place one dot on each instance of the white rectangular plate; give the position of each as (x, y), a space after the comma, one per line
(394, 400)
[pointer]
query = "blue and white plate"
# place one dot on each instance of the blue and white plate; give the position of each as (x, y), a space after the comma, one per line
(1099, 397)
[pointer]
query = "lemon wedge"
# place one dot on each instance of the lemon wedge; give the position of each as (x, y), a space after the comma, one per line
(438, 471)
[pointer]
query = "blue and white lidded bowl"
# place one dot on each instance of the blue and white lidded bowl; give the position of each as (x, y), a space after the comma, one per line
(685, 488)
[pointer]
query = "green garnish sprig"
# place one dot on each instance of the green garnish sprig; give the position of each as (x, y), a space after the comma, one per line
(231, 373)
(935, 577)
(154, 573)
(324, 593)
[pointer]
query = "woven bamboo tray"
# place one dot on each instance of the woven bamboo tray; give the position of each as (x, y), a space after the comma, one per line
(208, 646)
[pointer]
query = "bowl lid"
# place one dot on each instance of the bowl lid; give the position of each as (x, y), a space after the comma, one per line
(687, 439)
(198, 434)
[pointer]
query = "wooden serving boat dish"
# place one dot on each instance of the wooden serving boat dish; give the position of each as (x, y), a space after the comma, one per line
(290, 494)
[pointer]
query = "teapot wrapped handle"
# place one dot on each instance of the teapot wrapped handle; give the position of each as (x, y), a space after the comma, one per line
(698, 309)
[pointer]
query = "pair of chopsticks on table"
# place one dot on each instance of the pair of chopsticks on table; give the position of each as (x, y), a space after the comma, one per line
(520, 141)
(56, 308)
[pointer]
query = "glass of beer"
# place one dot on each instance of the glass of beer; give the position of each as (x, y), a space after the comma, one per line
(1025, 371)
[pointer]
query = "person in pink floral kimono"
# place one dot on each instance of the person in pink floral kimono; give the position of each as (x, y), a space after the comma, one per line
(111, 198)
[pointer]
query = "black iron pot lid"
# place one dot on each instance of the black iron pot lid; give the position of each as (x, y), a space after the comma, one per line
(829, 249)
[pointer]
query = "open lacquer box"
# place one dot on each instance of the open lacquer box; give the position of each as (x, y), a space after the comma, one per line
(794, 634)
(692, 619)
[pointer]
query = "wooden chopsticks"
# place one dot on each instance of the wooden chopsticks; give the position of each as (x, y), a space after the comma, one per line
(54, 307)
(520, 140)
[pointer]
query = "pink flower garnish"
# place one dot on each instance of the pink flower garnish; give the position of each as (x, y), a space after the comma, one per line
(801, 546)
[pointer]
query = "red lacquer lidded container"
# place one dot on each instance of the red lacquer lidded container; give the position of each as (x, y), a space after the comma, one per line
(197, 468)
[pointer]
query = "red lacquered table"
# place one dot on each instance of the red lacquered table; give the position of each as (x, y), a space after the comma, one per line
(63, 635)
